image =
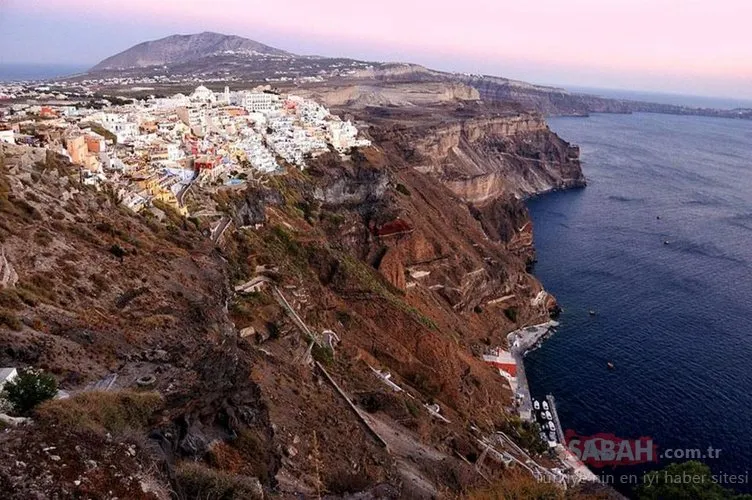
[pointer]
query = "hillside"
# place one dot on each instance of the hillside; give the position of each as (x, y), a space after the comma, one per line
(180, 49)
(231, 59)
(209, 388)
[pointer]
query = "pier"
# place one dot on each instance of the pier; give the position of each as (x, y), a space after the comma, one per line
(557, 423)
(521, 342)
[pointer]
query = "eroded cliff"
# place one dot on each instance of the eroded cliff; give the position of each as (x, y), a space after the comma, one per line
(408, 257)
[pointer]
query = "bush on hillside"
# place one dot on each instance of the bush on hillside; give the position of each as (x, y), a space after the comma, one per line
(30, 388)
(199, 481)
(100, 412)
(686, 480)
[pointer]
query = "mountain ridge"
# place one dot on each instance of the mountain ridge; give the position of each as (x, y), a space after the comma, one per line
(177, 49)
(237, 58)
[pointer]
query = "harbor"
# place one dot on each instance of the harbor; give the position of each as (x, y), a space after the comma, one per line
(511, 366)
(521, 342)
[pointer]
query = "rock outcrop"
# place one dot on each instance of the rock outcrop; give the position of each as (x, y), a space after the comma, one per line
(8, 275)
(485, 158)
(359, 96)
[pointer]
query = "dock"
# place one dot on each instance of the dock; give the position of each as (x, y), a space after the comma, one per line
(557, 423)
(523, 341)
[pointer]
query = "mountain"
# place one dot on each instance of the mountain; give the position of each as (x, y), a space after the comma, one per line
(218, 56)
(178, 49)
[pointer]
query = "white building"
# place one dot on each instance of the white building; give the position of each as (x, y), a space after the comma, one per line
(260, 102)
(119, 124)
(7, 136)
(202, 94)
(7, 375)
(194, 117)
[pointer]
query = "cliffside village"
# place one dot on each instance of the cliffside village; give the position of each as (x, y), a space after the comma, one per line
(153, 149)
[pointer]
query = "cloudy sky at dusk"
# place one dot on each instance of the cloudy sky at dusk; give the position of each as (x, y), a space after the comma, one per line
(700, 47)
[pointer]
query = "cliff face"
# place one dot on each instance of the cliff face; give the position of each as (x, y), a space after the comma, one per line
(414, 251)
(483, 159)
(489, 163)
(547, 100)
(384, 94)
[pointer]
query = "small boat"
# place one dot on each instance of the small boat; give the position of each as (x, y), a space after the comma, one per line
(549, 416)
(536, 405)
(666, 242)
(545, 406)
(551, 426)
(611, 365)
(591, 312)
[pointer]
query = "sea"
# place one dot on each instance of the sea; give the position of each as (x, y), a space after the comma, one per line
(659, 247)
(10, 72)
(693, 101)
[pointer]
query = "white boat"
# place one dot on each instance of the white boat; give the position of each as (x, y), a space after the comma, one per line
(549, 416)
(551, 426)
(536, 405)
(545, 406)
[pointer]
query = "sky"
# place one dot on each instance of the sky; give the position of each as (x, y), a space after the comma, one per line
(701, 47)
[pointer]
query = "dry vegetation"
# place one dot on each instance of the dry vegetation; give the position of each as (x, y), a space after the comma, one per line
(101, 412)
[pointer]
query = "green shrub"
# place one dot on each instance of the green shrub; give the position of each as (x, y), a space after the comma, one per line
(511, 314)
(118, 252)
(9, 299)
(672, 482)
(343, 317)
(412, 408)
(323, 354)
(526, 434)
(401, 188)
(30, 388)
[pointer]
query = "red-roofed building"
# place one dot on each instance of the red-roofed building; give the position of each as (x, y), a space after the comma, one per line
(502, 360)
(206, 162)
(48, 112)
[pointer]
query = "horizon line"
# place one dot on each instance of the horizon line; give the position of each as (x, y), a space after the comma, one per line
(577, 88)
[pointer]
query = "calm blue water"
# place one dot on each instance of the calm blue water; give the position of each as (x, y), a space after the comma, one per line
(693, 101)
(18, 72)
(675, 319)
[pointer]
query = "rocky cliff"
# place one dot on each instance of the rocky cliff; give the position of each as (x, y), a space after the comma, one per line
(378, 262)
(487, 158)
(482, 159)
(359, 96)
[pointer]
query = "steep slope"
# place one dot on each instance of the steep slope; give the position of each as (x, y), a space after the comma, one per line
(181, 49)
(489, 157)
(373, 247)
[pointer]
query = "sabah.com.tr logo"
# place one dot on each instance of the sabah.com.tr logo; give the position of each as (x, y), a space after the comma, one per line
(608, 450)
